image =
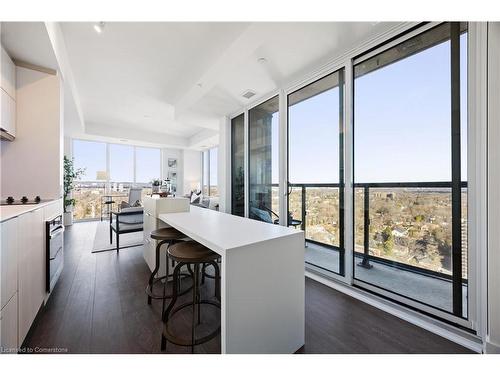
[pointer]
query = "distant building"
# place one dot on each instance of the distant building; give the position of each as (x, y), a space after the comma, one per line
(399, 232)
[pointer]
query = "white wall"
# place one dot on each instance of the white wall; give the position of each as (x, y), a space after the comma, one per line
(32, 163)
(493, 334)
(192, 170)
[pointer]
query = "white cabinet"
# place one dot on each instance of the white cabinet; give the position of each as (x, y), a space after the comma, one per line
(8, 81)
(8, 290)
(153, 207)
(8, 260)
(31, 269)
(8, 327)
(8, 116)
(8, 95)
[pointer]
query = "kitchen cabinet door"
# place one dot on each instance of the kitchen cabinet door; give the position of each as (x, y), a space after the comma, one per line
(8, 327)
(8, 81)
(38, 259)
(8, 116)
(8, 260)
(31, 270)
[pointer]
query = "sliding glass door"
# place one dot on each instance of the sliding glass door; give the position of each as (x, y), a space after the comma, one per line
(263, 131)
(410, 171)
(238, 165)
(315, 169)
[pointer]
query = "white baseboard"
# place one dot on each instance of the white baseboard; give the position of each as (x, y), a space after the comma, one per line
(451, 333)
(491, 348)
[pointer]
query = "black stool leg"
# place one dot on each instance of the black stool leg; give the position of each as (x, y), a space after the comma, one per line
(166, 280)
(216, 279)
(203, 270)
(155, 271)
(165, 314)
(195, 295)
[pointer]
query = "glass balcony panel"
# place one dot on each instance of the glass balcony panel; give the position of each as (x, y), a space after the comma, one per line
(295, 203)
(410, 243)
(322, 215)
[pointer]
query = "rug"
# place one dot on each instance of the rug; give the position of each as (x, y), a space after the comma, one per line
(101, 239)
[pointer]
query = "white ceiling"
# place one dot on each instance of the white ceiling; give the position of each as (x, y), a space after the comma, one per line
(28, 42)
(171, 83)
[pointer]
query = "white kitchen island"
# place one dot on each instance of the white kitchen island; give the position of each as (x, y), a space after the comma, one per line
(262, 270)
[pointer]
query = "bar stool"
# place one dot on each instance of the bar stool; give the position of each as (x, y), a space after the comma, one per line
(167, 236)
(194, 254)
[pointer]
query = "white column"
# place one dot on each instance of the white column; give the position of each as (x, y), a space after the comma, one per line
(224, 165)
(493, 332)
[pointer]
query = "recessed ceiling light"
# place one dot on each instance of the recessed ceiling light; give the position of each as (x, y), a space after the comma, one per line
(261, 60)
(99, 27)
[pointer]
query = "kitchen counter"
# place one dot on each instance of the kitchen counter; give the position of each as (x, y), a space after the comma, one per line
(9, 212)
(262, 279)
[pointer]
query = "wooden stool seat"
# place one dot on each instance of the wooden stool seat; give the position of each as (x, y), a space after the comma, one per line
(191, 252)
(167, 234)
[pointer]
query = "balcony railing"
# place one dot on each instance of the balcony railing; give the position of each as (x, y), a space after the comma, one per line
(409, 224)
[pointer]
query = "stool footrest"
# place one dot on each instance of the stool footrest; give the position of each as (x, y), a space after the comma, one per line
(179, 341)
(150, 293)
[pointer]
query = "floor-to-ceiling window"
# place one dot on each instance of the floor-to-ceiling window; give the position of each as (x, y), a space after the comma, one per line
(209, 173)
(315, 169)
(91, 158)
(263, 130)
(121, 167)
(238, 165)
(147, 167)
(111, 169)
(205, 185)
(410, 171)
(213, 159)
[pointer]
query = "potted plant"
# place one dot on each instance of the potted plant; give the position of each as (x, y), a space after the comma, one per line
(70, 174)
(155, 185)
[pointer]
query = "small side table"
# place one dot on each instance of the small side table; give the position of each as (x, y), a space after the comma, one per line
(109, 206)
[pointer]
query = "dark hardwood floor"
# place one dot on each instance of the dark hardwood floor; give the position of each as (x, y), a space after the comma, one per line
(99, 306)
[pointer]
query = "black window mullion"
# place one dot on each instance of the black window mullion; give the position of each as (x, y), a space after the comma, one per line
(456, 190)
(341, 172)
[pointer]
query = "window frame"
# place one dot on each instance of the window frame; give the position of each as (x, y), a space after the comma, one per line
(454, 316)
(341, 84)
(205, 182)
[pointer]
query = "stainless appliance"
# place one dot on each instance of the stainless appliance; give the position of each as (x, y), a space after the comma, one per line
(54, 231)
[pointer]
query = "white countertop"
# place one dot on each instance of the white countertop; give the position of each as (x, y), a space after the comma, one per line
(220, 231)
(9, 212)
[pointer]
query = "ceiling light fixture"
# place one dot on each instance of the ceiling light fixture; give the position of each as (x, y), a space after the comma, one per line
(261, 60)
(99, 27)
